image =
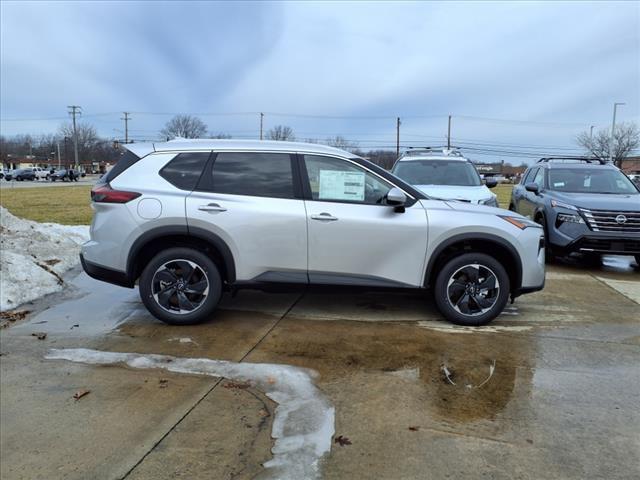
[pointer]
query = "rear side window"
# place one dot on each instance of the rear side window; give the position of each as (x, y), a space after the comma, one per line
(125, 161)
(185, 169)
(253, 173)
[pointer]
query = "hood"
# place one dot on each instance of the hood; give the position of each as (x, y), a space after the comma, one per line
(456, 192)
(600, 201)
(474, 208)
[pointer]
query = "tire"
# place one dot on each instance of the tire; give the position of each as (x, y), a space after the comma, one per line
(637, 257)
(461, 270)
(169, 272)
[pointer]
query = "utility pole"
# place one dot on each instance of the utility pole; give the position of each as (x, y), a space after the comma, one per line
(58, 145)
(261, 121)
(449, 134)
(613, 129)
(75, 110)
(126, 119)
(591, 132)
(398, 123)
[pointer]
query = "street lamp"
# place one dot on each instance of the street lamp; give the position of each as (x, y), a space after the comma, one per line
(613, 129)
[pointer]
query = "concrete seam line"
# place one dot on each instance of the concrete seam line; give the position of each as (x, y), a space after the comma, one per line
(189, 410)
(303, 424)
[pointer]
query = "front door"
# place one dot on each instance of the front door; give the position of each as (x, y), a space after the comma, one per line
(354, 237)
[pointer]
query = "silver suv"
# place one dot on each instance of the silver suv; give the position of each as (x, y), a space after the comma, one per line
(190, 219)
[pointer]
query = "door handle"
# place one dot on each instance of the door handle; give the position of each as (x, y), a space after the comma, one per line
(324, 217)
(212, 207)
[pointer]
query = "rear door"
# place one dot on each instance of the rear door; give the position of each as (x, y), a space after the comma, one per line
(251, 201)
(354, 237)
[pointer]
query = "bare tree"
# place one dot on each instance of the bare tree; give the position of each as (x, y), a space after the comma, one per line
(281, 132)
(626, 138)
(219, 135)
(184, 126)
(87, 139)
(340, 142)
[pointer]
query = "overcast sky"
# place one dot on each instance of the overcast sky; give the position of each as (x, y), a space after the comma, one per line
(557, 65)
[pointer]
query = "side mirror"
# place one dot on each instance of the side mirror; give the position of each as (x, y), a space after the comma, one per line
(397, 199)
(490, 182)
(532, 187)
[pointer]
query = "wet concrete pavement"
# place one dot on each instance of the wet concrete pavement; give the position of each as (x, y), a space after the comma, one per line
(549, 390)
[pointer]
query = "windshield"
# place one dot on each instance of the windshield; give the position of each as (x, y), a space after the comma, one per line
(590, 181)
(438, 172)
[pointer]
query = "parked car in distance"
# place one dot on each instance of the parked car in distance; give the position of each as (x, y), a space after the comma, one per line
(21, 174)
(584, 205)
(190, 219)
(65, 175)
(40, 173)
(445, 174)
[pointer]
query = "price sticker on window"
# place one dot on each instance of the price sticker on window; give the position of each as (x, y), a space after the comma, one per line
(340, 185)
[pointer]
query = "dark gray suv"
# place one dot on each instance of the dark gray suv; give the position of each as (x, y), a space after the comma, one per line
(585, 205)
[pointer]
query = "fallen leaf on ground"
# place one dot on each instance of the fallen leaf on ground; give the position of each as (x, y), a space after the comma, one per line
(163, 383)
(414, 429)
(264, 413)
(271, 380)
(14, 316)
(342, 441)
(240, 385)
(39, 335)
(52, 262)
(81, 393)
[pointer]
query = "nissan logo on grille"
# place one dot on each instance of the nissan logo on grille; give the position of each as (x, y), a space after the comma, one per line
(621, 219)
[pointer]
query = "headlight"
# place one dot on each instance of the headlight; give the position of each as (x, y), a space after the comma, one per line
(563, 217)
(519, 222)
(491, 201)
(557, 204)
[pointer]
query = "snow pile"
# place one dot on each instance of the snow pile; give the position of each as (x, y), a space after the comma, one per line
(304, 418)
(33, 256)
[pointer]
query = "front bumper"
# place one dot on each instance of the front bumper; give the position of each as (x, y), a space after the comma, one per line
(614, 245)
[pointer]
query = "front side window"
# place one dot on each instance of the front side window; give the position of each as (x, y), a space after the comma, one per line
(593, 180)
(254, 174)
(438, 172)
(539, 178)
(529, 175)
(184, 170)
(336, 180)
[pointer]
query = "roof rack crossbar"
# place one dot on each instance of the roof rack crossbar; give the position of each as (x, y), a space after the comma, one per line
(574, 158)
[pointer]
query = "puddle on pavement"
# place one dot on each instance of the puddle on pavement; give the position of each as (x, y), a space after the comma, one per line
(392, 353)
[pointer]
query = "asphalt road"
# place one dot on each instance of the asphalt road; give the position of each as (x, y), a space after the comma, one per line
(88, 180)
(549, 390)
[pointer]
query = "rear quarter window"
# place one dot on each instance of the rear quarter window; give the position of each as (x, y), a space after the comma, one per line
(185, 169)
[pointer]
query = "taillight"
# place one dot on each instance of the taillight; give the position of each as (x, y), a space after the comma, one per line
(106, 194)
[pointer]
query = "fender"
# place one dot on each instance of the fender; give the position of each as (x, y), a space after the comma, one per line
(476, 236)
(202, 234)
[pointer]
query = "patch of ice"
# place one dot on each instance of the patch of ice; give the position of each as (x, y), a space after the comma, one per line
(451, 328)
(32, 257)
(304, 418)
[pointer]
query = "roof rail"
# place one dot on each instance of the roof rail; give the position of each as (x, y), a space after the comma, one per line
(574, 159)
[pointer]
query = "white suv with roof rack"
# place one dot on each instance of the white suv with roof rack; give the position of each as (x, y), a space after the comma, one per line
(445, 173)
(188, 220)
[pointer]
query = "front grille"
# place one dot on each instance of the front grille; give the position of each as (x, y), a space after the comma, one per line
(609, 221)
(615, 245)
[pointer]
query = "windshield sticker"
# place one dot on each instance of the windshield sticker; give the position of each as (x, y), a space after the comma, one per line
(558, 184)
(340, 185)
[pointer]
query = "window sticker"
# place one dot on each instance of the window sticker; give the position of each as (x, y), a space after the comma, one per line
(558, 184)
(340, 185)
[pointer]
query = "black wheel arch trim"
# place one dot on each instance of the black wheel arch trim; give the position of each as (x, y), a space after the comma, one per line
(476, 236)
(166, 231)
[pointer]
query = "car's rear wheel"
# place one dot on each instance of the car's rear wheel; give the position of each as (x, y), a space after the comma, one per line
(472, 289)
(180, 286)
(637, 257)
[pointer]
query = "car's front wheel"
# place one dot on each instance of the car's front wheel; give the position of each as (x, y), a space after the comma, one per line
(472, 289)
(180, 286)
